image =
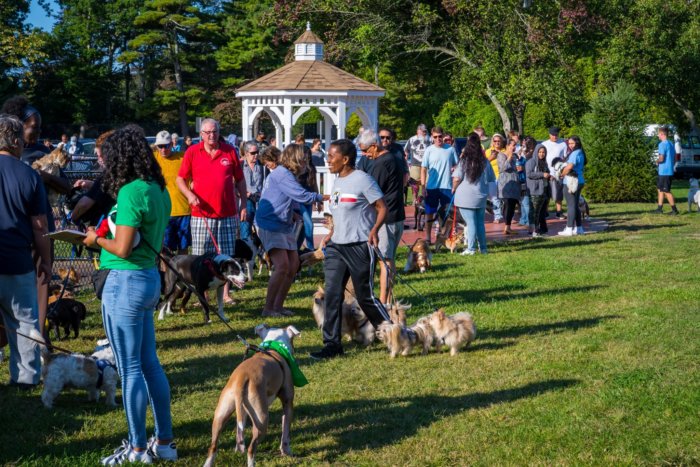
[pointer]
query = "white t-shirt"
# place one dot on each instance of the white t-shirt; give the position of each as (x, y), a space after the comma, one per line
(554, 149)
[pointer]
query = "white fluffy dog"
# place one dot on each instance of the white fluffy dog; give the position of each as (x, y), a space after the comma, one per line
(81, 371)
(693, 194)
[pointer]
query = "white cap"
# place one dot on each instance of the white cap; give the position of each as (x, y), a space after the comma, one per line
(163, 137)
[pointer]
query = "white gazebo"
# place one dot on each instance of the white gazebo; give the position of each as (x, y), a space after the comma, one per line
(309, 82)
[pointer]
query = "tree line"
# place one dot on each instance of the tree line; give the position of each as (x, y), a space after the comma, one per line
(506, 64)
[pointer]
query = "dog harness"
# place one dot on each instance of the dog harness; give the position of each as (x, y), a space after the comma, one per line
(266, 347)
(101, 365)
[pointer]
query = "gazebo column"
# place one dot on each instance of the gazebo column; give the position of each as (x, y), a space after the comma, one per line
(287, 122)
(245, 124)
(342, 118)
(327, 131)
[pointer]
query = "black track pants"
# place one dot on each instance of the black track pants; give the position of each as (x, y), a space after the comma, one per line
(356, 261)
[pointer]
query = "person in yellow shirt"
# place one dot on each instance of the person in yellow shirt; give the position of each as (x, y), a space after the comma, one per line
(178, 236)
(498, 143)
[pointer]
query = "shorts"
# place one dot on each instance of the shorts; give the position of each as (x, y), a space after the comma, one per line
(224, 231)
(177, 233)
(663, 183)
(280, 240)
(389, 238)
(414, 172)
(437, 198)
(558, 188)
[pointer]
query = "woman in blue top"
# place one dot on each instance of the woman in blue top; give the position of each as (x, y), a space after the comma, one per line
(574, 166)
(470, 185)
(132, 290)
(275, 222)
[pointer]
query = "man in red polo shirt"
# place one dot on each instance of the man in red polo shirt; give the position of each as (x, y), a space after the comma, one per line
(210, 170)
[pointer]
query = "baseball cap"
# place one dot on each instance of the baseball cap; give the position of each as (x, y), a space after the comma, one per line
(554, 130)
(163, 137)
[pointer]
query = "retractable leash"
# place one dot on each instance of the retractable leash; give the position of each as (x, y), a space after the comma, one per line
(46, 344)
(403, 281)
(182, 280)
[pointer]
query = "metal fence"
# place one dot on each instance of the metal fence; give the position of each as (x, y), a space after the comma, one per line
(67, 255)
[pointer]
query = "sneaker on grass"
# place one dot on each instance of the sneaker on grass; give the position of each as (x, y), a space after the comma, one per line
(327, 352)
(167, 452)
(125, 454)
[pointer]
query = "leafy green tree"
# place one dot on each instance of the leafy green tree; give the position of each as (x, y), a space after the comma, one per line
(619, 157)
(174, 37)
(19, 46)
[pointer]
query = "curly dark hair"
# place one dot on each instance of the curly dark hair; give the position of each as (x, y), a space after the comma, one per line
(473, 160)
(128, 157)
(15, 106)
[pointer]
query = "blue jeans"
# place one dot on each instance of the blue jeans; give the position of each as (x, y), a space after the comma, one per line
(525, 211)
(476, 230)
(306, 211)
(128, 301)
(496, 202)
(249, 218)
(19, 311)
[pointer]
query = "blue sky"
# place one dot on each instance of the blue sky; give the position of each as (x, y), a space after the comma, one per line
(37, 16)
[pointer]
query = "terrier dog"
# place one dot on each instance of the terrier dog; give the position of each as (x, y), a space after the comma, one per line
(354, 323)
(583, 207)
(66, 313)
(401, 339)
(71, 274)
(250, 391)
(693, 194)
(310, 258)
(77, 370)
(52, 163)
(419, 257)
(454, 331)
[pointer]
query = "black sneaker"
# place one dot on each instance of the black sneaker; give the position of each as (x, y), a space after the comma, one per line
(23, 386)
(674, 212)
(327, 352)
(658, 211)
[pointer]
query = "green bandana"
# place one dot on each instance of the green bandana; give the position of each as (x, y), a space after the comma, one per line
(297, 376)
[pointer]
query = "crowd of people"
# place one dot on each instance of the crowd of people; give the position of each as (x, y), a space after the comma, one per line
(199, 198)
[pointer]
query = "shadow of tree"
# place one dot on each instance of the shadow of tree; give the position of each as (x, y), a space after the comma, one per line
(559, 326)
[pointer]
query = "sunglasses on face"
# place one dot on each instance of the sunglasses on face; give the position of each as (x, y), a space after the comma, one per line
(384, 136)
(438, 136)
(162, 146)
(253, 153)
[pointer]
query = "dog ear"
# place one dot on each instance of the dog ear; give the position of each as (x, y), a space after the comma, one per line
(292, 332)
(261, 330)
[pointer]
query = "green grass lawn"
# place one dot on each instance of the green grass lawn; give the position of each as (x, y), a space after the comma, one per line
(587, 353)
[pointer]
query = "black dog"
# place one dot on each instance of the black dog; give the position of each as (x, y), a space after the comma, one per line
(200, 273)
(66, 313)
(419, 213)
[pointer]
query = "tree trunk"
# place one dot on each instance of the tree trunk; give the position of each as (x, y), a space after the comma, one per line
(519, 113)
(177, 68)
(505, 118)
(689, 114)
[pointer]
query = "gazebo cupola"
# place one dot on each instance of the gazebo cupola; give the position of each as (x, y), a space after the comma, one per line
(308, 46)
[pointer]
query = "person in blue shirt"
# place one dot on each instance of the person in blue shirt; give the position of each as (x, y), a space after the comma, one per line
(575, 163)
(436, 176)
(667, 154)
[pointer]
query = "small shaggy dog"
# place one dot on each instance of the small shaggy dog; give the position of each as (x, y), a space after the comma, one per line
(583, 207)
(354, 323)
(419, 257)
(52, 163)
(693, 197)
(454, 331)
(80, 371)
(401, 339)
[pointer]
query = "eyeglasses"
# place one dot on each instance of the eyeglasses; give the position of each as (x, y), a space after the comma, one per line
(253, 153)
(162, 146)
(384, 136)
(210, 132)
(438, 136)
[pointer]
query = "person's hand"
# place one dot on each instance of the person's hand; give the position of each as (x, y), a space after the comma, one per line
(326, 197)
(192, 199)
(546, 175)
(373, 239)
(79, 184)
(324, 242)
(244, 214)
(90, 239)
(44, 273)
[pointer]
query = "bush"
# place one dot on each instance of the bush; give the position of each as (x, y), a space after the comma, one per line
(619, 156)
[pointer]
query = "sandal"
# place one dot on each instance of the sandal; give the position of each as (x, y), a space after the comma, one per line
(271, 314)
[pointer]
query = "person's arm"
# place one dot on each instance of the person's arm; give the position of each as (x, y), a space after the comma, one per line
(380, 206)
(455, 184)
(42, 246)
(492, 154)
(83, 206)
(121, 245)
(192, 199)
(327, 238)
(290, 187)
(57, 183)
(567, 169)
(423, 177)
(83, 184)
(243, 197)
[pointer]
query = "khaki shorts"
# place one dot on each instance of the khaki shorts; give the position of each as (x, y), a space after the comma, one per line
(414, 172)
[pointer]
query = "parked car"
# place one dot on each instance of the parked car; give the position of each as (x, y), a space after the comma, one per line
(689, 163)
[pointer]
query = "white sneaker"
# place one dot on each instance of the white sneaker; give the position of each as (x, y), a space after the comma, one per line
(125, 453)
(468, 252)
(567, 232)
(535, 235)
(166, 452)
(579, 231)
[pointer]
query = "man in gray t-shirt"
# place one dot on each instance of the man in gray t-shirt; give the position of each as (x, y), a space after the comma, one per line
(358, 210)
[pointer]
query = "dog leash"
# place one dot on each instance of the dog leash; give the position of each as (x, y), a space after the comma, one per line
(211, 235)
(403, 281)
(46, 344)
(65, 281)
(258, 349)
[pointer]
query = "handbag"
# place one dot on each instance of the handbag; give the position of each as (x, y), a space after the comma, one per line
(99, 277)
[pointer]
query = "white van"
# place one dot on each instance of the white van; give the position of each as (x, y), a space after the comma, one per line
(689, 163)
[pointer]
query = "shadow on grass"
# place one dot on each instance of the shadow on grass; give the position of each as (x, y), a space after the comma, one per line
(614, 227)
(374, 423)
(501, 294)
(559, 326)
(544, 244)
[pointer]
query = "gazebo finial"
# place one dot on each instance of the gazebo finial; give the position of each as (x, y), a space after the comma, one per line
(308, 25)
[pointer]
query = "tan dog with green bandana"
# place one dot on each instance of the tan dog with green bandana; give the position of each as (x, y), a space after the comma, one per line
(271, 372)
